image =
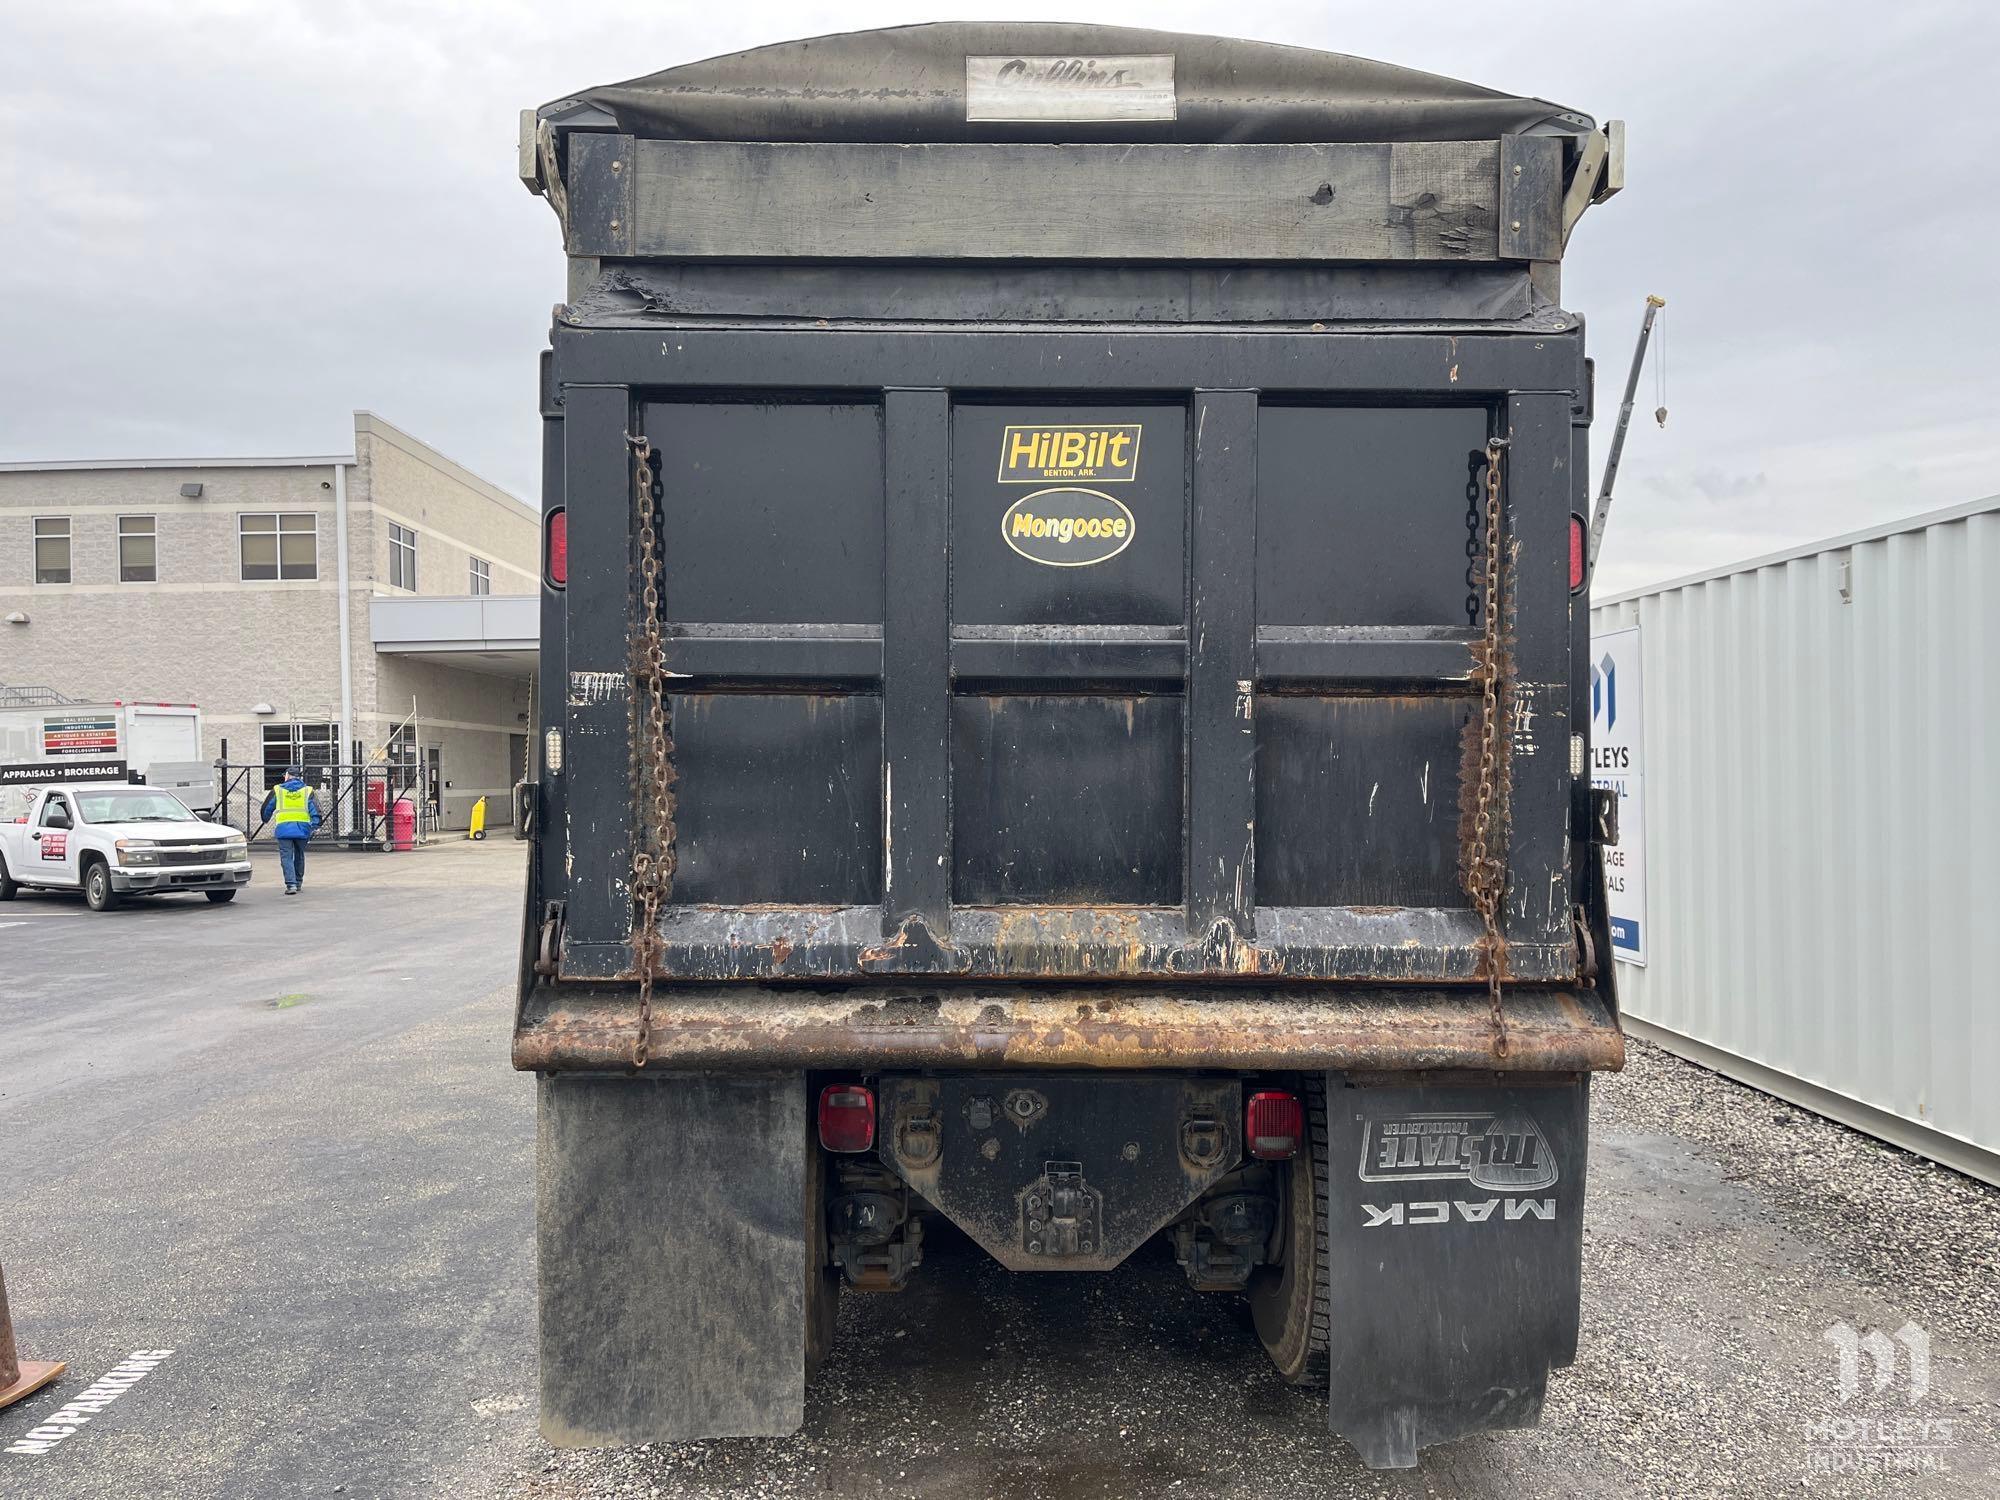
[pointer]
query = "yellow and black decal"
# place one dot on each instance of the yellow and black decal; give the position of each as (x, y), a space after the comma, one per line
(1068, 528)
(1106, 454)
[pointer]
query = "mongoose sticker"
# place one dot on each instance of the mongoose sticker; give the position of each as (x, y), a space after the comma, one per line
(1035, 455)
(1068, 528)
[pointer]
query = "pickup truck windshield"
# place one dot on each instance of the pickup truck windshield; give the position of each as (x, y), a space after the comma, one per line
(134, 806)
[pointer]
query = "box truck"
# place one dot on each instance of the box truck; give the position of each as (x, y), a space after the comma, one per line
(46, 733)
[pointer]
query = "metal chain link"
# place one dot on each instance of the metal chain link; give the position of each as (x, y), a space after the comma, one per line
(1487, 868)
(652, 843)
(1472, 527)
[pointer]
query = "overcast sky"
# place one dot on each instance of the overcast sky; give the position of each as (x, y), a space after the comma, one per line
(223, 226)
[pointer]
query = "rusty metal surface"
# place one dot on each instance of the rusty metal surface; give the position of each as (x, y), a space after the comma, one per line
(1387, 1029)
(1384, 945)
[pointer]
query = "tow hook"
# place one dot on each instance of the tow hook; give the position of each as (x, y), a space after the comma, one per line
(1061, 1212)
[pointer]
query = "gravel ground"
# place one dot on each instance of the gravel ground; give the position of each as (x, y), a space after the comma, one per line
(1727, 1232)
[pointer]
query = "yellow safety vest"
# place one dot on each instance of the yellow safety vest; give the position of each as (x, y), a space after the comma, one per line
(289, 806)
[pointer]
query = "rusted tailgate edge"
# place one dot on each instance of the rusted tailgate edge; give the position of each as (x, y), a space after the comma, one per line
(591, 1029)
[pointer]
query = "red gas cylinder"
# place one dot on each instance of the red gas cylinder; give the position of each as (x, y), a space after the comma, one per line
(403, 824)
(376, 794)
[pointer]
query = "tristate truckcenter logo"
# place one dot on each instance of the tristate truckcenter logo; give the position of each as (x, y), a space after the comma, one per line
(1498, 1152)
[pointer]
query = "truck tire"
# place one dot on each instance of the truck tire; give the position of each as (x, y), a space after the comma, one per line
(220, 897)
(98, 893)
(822, 1279)
(8, 884)
(1289, 1304)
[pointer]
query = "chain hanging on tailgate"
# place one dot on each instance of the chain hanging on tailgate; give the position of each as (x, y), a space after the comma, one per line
(652, 840)
(1486, 863)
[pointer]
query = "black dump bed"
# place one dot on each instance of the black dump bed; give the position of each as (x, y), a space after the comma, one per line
(1052, 558)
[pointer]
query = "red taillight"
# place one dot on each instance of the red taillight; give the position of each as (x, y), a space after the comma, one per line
(847, 1117)
(1576, 552)
(1273, 1124)
(555, 564)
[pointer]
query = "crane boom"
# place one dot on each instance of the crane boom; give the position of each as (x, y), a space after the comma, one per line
(1601, 512)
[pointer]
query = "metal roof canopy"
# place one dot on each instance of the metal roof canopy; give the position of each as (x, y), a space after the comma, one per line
(494, 633)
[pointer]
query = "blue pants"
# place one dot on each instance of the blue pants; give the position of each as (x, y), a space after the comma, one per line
(292, 859)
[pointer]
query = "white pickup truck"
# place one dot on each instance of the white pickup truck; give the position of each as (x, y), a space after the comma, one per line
(112, 840)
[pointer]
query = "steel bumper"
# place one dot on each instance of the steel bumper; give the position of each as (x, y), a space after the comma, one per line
(573, 1028)
(169, 878)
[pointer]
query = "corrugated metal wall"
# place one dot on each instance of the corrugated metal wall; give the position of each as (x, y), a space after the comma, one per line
(1822, 827)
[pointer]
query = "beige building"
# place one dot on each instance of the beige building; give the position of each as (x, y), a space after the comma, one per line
(275, 593)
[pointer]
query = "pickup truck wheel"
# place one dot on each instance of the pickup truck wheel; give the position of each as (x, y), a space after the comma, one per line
(8, 884)
(1289, 1302)
(220, 897)
(97, 892)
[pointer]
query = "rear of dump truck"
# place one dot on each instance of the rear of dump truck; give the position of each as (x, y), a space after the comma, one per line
(1064, 660)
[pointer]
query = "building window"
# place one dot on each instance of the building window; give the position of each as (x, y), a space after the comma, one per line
(138, 550)
(52, 549)
(279, 545)
(402, 558)
(313, 747)
(482, 576)
(401, 750)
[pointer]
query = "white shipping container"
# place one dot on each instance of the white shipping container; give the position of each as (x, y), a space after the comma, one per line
(1822, 827)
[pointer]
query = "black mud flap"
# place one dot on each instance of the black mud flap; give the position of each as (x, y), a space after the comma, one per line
(671, 1231)
(1454, 1256)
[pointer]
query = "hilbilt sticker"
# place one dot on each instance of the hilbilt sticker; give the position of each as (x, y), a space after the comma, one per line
(1105, 454)
(81, 1409)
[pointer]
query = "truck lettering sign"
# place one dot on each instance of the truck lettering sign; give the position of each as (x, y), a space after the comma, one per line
(1068, 528)
(80, 734)
(1035, 455)
(1136, 87)
(55, 846)
(1438, 1211)
(33, 773)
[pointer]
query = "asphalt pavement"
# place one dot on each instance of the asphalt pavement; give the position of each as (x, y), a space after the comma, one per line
(281, 1140)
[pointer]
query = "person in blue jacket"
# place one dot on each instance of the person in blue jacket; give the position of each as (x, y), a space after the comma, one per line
(293, 813)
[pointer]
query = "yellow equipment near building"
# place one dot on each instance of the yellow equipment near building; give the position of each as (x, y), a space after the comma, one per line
(478, 830)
